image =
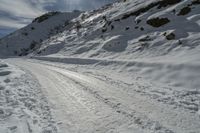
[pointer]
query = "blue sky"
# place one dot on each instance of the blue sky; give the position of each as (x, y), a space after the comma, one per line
(15, 14)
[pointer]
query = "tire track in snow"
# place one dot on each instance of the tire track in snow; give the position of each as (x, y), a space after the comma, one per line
(148, 114)
(139, 119)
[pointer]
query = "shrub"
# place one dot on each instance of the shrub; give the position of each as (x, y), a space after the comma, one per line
(195, 2)
(144, 39)
(24, 51)
(39, 52)
(136, 27)
(127, 28)
(142, 29)
(83, 16)
(117, 20)
(138, 21)
(45, 17)
(184, 11)
(104, 17)
(165, 3)
(180, 42)
(25, 33)
(104, 30)
(78, 26)
(109, 23)
(66, 23)
(157, 22)
(32, 28)
(159, 4)
(112, 27)
(170, 36)
(33, 45)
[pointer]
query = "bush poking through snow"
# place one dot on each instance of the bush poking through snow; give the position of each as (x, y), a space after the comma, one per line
(144, 39)
(184, 11)
(32, 28)
(104, 30)
(127, 28)
(33, 45)
(25, 33)
(112, 27)
(158, 4)
(136, 27)
(45, 17)
(170, 36)
(165, 3)
(158, 22)
(104, 17)
(195, 2)
(138, 21)
(24, 52)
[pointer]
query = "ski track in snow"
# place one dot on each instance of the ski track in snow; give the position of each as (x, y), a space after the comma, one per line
(83, 99)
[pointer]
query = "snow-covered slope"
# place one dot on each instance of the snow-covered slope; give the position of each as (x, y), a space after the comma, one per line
(131, 29)
(124, 30)
(29, 38)
(157, 39)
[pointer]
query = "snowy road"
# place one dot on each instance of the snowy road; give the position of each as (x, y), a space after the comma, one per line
(87, 103)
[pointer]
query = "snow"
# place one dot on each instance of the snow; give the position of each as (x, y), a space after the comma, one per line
(23, 108)
(100, 98)
(108, 70)
(90, 42)
(182, 75)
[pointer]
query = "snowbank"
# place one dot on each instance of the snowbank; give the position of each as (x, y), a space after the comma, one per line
(181, 75)
(23, 108)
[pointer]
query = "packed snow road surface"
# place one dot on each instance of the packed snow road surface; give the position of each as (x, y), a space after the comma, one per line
(88, 101)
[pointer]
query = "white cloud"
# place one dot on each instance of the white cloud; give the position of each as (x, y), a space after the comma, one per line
(18, 13)
(11, 24)
(20, 8)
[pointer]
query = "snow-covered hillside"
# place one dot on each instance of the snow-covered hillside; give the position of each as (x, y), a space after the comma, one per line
(155, 38)
(27, 39)
(124, 30)
(131, 29)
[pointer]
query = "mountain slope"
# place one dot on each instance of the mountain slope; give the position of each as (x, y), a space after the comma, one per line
(126, 29)
(131, 29)
(29, 38)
